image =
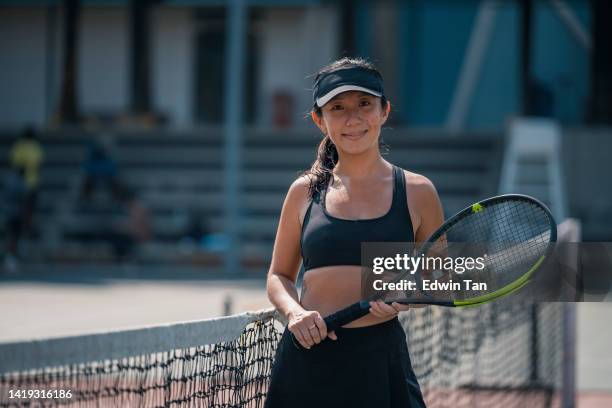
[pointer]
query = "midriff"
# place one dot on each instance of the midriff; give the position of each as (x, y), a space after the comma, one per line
(329, 289)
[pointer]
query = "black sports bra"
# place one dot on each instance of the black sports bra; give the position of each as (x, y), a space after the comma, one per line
(327, 240)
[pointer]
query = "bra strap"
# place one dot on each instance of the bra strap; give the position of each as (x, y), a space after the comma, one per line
(399, 190)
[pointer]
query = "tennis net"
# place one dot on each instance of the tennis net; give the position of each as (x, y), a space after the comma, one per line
(221, 362)
(499, 354)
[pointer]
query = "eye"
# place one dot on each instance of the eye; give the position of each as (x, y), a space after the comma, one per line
(364, 102)
(336, 107)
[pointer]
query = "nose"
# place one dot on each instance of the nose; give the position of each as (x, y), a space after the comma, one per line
(353, 117)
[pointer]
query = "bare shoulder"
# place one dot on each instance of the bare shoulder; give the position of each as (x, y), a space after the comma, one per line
(298, 196)
(299, 188)
(424, 204)
(420, 187)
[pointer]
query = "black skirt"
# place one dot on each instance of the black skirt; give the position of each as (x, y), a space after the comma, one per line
(366, 367)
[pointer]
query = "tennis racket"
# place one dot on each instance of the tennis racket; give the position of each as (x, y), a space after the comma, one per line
(514, 232)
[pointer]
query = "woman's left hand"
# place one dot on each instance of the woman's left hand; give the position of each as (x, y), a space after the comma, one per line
(383, 310)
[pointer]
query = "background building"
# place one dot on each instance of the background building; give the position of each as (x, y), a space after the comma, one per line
(202, 103)
(425, 49)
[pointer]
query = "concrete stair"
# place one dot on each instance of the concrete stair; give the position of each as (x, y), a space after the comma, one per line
(177, 174)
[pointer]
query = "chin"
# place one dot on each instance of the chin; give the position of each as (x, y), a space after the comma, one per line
(356, 148)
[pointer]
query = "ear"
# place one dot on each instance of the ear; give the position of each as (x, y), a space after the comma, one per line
(318, 120)
(386, 112)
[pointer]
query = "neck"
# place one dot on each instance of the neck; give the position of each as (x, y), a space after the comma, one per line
(361, 166)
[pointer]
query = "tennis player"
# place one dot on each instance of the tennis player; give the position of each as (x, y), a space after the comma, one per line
(350, 195)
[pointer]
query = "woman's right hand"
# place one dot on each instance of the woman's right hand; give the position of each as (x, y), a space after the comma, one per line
(309, 328)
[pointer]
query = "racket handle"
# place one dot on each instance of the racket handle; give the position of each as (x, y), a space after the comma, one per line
(347, 315)
(342, 317)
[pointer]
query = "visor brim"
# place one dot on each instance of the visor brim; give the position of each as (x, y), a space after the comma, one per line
(344, 88)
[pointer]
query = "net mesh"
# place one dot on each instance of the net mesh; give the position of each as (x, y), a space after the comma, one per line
(499, 354)
(496, 355)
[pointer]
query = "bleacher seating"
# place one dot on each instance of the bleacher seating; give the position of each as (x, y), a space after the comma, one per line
(178, 174)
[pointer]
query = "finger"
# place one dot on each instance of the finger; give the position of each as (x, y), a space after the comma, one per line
(321, 326)
(383, 310)
(299, 334)
(299, 337)
(314, 333)
(387, 309)
(375, 310)
(400, 307)
(332, 335)
(307, 337)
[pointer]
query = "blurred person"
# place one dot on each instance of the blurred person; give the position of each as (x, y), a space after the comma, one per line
(132, 228)
(349, 196)
(199, 236)
(197, 228)
(100, 171)
(195, 233)
(16, 197)
(27, 154)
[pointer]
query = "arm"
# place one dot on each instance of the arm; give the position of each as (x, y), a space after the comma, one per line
(284, 268)
(286, 257)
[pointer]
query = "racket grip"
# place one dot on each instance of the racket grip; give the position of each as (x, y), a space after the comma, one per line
(347, 315)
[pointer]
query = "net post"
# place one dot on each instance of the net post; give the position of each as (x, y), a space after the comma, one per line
(237, 12)
(570, 231)
(568, 393)
(534, 376)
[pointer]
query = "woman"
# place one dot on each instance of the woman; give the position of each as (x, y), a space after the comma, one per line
(350, 195)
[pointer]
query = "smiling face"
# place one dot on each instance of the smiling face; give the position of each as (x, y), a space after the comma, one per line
(353, 121)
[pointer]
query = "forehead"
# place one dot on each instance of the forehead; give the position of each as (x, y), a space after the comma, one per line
(348, 95)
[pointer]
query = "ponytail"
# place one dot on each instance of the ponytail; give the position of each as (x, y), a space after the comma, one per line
(322, 169)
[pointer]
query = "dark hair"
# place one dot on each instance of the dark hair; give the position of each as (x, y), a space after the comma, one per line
(327, 156)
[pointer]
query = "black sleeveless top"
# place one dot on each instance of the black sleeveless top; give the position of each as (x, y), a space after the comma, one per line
(327, 240)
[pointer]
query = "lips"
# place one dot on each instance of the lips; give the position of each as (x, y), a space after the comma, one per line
(354, 135)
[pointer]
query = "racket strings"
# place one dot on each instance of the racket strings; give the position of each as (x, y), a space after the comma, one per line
(512, 234)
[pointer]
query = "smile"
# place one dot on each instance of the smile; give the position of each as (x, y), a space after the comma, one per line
(355, 135)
